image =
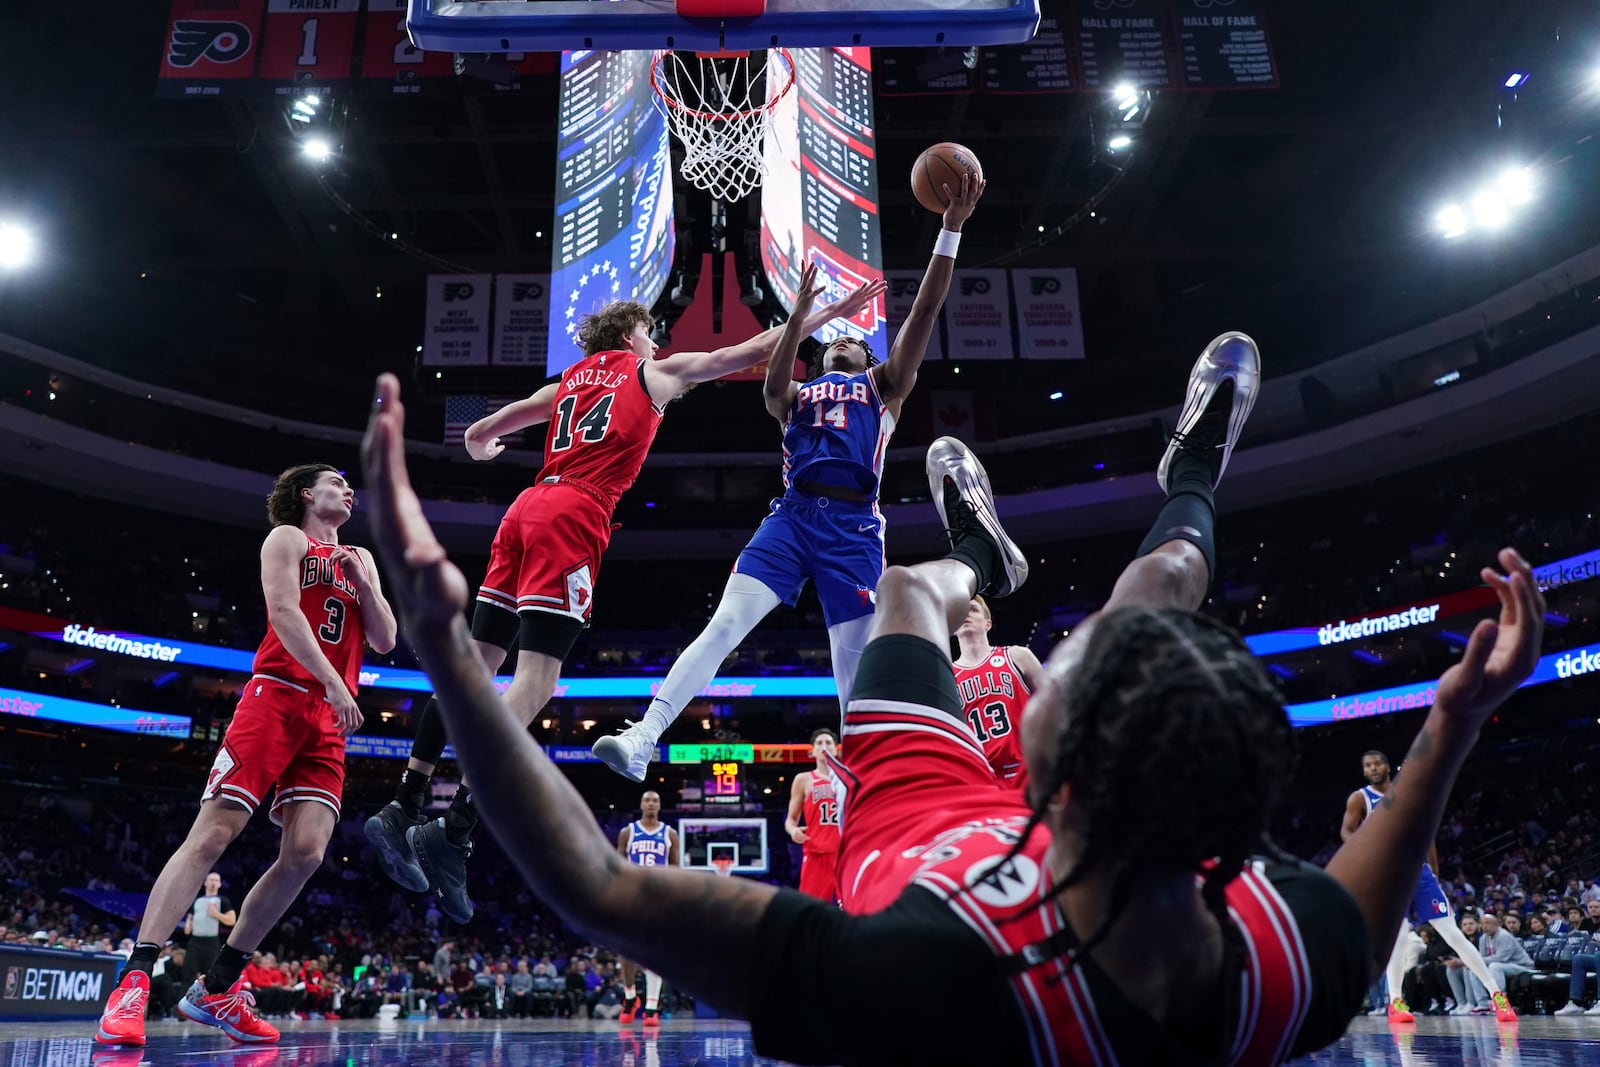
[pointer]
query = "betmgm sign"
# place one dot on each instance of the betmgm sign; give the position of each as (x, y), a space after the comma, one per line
(45, 983)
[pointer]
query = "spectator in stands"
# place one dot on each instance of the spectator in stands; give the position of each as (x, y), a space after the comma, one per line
(545, 969)
(1503, 953)
(1513, 924)
(166, 982)
(1590, 923)
(442, 957)
(1553, 921)
(362, 1003)
(521, 984)
(1425, 985)
(397, 986)
(1468, 993)
(498, 1004)
(577, 986)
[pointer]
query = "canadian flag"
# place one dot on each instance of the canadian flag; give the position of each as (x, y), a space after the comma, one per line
(952, 413)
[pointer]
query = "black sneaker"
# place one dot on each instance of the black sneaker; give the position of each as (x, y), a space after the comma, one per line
(960, 488)
(1222, 390)
(387, 832)
(445, 865)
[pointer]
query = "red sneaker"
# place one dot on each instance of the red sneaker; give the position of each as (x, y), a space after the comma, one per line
(1503, 1010)
(229, 1012)
(1400, 1012)
(630, 1008)
(652, 1019)
(122, 1023)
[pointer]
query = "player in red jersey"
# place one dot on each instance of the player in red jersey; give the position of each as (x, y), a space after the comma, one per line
(995, 684)
(813, 821)
(324, 603)
(1157, 750)
(538, 593)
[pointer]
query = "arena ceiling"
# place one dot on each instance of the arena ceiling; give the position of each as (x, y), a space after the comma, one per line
(188, 243)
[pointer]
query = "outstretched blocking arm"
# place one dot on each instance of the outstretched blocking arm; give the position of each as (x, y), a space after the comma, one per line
(899, 372)
(660, 916)
(670, 376)
(1397, 835)
(778, 389)
(483, 437)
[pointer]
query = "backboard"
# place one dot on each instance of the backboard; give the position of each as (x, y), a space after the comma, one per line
(649, 25)
(703, 841)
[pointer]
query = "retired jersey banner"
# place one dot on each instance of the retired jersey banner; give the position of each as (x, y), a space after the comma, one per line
(308, 45)
(390, 64)
(521, 319)
(978, 315)
(1049, 323)
(457, 330)
(210, 48)
(903, 286)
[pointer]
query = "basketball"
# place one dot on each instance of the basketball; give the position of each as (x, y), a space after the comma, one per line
(938, 166)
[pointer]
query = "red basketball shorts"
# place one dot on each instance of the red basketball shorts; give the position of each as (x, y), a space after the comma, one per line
(819, 876)
(915, 772)
(281, 735)
(546, 554)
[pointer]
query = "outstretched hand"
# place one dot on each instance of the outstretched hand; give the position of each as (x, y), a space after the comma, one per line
(806, 294)
(1500, 654)
(960, 202)
(429, 589)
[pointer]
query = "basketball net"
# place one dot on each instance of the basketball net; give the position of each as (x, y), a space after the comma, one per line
(709, 101)
(724, 867)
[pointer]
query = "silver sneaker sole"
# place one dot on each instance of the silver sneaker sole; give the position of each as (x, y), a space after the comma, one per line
(1232, 355)
(948, 457)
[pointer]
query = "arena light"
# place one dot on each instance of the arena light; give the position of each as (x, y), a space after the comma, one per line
(1516, 79)
(1490, 210)
(304, 109)
(1125, 95)
(317, 149)
(1451, 220)
(1119, 142)
(16, 246)
(1516, 184)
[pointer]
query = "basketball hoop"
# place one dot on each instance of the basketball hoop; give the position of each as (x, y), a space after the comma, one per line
(723, 866)
(710, 101)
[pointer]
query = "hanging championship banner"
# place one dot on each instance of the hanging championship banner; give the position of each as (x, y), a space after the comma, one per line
(922, 71)
(457, 329)
(1040, 66)
(308, 45)
(978, 315)
(390, 63)
(1049, 325)
(210, 48)
(903, 286)
(521, 319)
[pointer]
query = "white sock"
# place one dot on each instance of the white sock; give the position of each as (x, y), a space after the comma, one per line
(1446, 928)
(1397, 964)
(652, 990)
(627, 993)
(744, 603)
(846, 642)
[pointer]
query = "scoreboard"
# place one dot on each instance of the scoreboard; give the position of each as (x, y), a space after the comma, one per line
(722, 782)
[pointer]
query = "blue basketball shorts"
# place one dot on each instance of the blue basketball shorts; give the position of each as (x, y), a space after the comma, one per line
(838, 544)
(1428, 902)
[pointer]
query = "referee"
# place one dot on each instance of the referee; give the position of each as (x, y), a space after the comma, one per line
(203, 924)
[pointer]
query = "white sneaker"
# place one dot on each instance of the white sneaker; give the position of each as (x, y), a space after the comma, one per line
(1572, 1008)
(961, 493)
(1461, 1010)
(1379, 1012)
(1594, 1010)
(627, 753)
(1230, 357)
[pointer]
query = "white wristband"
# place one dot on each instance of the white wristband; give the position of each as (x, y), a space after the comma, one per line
(948, 242)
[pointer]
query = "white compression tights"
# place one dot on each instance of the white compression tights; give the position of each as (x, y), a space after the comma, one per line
(846, 642)
(744, 603)
(1465, 950)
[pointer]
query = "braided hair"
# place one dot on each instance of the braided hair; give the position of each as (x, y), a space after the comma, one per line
(1177, 749)
(819, 353)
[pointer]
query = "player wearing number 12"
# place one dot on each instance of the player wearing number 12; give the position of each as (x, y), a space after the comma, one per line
(813, 821)
(539, 590)
(324, 603)
(826, 527)
(995, 684)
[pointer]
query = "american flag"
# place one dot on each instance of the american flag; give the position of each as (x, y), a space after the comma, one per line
(462, 411)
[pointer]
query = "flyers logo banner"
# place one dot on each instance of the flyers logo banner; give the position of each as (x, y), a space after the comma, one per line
(197, 39)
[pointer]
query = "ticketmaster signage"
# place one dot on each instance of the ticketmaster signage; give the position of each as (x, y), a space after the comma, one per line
(45, 983)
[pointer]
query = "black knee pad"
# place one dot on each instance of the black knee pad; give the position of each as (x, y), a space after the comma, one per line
(496, 626)
(908, 668)
(553, 635)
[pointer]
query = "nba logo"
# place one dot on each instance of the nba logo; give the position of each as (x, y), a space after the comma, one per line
(13, 982)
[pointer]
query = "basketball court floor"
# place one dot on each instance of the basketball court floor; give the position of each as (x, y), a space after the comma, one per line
(1534, 1042)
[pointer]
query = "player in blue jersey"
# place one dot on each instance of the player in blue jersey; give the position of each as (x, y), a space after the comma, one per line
(826, 527)
(1428, 904)
(648, 842)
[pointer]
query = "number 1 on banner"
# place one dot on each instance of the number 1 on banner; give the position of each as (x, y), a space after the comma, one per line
(308, 44)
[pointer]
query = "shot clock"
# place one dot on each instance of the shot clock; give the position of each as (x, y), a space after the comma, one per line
(722, 782)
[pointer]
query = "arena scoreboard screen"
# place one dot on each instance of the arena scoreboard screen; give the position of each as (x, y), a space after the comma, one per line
(613, 214)
(819, 200)
(722, 782)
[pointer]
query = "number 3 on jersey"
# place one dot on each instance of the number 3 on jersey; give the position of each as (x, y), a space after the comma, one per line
(592, 426)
